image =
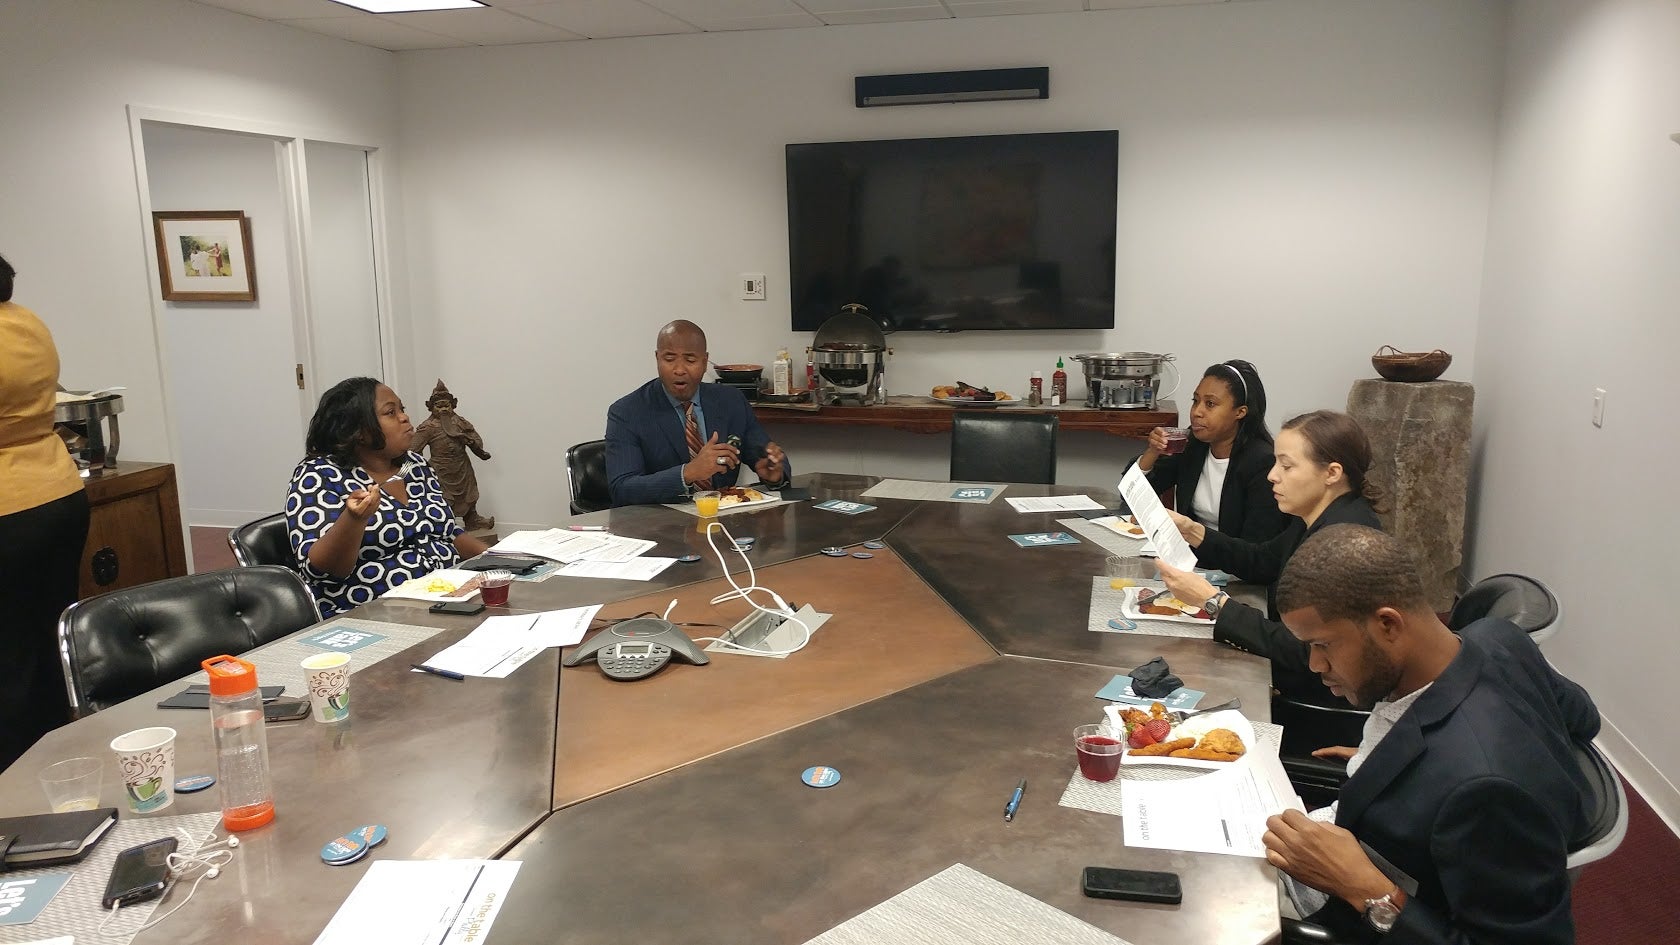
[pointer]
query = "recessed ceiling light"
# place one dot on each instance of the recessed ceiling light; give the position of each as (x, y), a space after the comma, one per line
(410, 6)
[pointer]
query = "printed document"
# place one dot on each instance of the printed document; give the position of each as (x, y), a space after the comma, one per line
(1054, 503)
(1221, 812)
(546, 629)
(422, 902)
(1147, 509)
(636, 569)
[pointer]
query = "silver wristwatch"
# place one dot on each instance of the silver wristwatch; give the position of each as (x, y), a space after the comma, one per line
(1214, 603)
(1381, 913)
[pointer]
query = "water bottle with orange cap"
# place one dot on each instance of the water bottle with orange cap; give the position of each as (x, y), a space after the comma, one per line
(236, 721)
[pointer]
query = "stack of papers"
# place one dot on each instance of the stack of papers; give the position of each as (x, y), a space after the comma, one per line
(1221, 812)
(1054, 503)
(502, 644)
(558, 544)
(422, 902)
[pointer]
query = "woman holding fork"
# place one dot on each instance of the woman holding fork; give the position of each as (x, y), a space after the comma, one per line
(365, 514)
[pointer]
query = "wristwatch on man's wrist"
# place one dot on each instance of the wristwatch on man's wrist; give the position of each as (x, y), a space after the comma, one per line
(1381, 913)
(1214, 603)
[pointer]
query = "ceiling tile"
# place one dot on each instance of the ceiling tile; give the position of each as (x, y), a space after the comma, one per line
(1131, 4)
(484, 27)
(601, 19)
(779, 21)
(823, 7)
(694, 11)
(1004, 7)
(377, 31)
(283, 9)
(902, 15)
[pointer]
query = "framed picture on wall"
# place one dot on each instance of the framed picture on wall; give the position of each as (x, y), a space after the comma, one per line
(205, 255)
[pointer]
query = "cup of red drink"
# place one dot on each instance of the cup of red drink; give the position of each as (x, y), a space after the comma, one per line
(1098, 751)
(493, 587)
(1177, 439)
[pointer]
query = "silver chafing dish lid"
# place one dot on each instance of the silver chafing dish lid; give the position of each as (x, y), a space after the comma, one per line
(74, 406)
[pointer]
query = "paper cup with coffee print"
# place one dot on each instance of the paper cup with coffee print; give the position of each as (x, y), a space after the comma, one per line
(329, 685)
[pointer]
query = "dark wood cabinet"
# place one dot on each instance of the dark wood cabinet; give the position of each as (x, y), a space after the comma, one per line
(134, 533)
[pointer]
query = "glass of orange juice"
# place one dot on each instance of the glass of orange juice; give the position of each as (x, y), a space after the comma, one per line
(706, 503)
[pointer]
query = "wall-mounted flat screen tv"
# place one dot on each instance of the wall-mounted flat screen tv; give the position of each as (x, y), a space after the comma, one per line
(955, 234)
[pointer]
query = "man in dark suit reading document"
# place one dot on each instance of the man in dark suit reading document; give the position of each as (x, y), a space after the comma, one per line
(676, 434)
(1464, 797)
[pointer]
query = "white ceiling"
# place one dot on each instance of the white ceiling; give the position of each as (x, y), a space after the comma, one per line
(506, 22)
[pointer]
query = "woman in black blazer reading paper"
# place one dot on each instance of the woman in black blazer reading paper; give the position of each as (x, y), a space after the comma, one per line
(1319, 478)
(1220, 478)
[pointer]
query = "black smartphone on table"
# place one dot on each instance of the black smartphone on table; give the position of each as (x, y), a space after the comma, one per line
(465, 608)
(1135, 885)
(139, 873)
(285, 710)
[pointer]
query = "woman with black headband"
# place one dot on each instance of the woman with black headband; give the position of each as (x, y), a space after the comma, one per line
(1220, 478)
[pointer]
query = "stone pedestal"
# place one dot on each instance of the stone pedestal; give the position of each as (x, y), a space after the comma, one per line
(1420, 444)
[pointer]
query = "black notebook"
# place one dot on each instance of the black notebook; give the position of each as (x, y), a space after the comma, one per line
(50, 839)
(197, 696)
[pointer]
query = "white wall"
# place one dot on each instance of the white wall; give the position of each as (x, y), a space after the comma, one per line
(1301, 181)
(1580, 293)
(69, 69)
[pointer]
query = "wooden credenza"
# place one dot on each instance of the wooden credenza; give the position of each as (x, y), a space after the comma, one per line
(921, 415)
(134, 533)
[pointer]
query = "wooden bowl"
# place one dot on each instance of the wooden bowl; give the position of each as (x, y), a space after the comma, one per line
(1410, 366)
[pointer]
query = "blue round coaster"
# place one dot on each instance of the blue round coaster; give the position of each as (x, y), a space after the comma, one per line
(346, 849)
(371, 834)
(875, 545)
(688, 559)
(743, 546)
(862, 554)
(820, 776)
(193, 783)
(745, 539)
(835, 552)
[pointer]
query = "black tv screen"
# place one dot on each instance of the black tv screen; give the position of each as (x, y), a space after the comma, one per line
(955, 234)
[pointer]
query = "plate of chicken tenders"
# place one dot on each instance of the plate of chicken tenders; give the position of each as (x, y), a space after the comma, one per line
(1209, 741)
(1144, 603)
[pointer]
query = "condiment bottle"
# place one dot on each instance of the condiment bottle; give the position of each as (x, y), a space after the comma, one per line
(781, 383)
(1035, 389)
(1058, 385)
(236, 722)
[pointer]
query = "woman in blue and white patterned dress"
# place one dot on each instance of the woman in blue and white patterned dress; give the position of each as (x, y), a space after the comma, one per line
(363, 513)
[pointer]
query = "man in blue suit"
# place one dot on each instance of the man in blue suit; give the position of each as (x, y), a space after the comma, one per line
(676, 434)
(1465, 797)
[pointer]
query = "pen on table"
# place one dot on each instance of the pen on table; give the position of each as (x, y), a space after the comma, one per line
(1014, 801)
(446, 674)
(586, 528)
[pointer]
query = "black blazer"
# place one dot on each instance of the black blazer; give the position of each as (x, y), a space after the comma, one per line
(1262, 634)
(646, 448)
(1247, 509)
(1476, 797)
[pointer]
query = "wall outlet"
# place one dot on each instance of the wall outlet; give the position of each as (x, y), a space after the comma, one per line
(752, 286)
(1598, 407)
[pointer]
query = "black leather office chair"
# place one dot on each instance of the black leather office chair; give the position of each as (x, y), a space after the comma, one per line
(586, 475)
(118, 645)
(1607, 822)
(263, 541)
(1522, 600)
(1519, 599)
(989, 446)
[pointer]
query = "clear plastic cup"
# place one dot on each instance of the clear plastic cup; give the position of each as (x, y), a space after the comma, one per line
(73, 784)
(706, 503)
(1177, 439)
(493, 587)
(1098, 751)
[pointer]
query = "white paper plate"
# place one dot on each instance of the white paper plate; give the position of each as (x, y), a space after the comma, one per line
(1129, 608)
(1194, 727)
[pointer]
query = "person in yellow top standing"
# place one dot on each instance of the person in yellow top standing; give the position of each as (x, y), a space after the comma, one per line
(43, 525)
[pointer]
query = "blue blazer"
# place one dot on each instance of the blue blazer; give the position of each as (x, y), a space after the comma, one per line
(646, 449)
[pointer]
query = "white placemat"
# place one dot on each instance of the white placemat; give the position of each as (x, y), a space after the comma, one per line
(76, 911)
(920, 491)
(1103, 797)
(962, 906)
(278, 662)
(1105, 537)
(1105, 605)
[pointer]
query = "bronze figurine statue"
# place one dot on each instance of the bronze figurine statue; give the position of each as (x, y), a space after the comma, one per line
(450, 436)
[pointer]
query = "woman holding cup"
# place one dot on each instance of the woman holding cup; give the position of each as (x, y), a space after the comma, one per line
(363, 513)
(1217, 466)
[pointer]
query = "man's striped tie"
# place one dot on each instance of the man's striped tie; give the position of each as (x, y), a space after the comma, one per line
(691, 430)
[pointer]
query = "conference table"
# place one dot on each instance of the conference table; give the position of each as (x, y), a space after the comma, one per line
(671, 808)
